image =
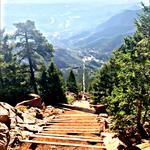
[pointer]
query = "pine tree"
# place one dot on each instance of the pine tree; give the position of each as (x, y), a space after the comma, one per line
(103, 82)
(31, 45)
(52, 86)
(13, 82)
(71, 83)
(129, 95)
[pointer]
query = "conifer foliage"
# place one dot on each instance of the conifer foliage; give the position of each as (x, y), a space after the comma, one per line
(71, 83)
(124, 81)
(31, 47)
(23, 56)
(14, 83)
(52, 86)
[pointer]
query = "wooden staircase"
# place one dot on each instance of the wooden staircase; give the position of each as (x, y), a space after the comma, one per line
(73, 130)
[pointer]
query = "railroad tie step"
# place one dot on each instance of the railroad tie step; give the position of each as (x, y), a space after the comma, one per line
(67, 135)
(67, 138)
(62, 144)
(51, 129)
(71, 127)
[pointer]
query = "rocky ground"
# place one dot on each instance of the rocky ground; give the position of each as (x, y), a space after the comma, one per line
(17, 123)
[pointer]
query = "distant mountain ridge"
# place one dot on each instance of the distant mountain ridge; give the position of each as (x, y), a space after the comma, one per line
(99, 42)
(115, 28)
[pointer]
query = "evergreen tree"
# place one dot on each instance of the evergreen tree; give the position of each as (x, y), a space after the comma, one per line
(52, 86)
(103, 82)
(13, 82)
(129, 89)
(71, 83)
(31, 45)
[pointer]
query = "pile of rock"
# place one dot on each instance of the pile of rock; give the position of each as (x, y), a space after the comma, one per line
(7, 121)
(104, 122)
(26, 118)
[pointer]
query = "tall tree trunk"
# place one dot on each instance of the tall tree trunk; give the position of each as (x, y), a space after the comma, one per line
(1, 79)
(139, 124)
(31, 66)
(139, 110)
(32, 75)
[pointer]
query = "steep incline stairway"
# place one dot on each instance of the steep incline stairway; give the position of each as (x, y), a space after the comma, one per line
(73, 130)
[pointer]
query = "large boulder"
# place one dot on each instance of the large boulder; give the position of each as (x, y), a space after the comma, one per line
(4, 136)
(7, 114)
(35, 101)
(100, 108)
(28, 115)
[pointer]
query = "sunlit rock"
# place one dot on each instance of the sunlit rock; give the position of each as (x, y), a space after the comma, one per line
(36, 101)
(4, 136)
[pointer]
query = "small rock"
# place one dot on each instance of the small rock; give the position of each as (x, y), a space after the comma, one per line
(82, 103)
(19, 120)
(144, 146)
(4, 136)
(57, 111)
(20, 109)
(33, 128)
(49, 119)
(26, 134)
(14, 134)
(103, 115)
(40, 122)
(4, 115)
(28, 118)
(111, 143)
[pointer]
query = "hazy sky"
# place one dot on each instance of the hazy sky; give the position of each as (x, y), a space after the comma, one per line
(76, 1)
(100, 2)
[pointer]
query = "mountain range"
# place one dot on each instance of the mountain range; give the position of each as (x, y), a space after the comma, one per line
(77, 31)
(99, 42)
(108, 32)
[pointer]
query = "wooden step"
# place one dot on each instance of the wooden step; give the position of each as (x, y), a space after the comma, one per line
(74, 129)
(66, 135)
(77, 118)
(77, 121)
(49, 128)
(70, 132)
(78, 115)
(67, 138)
(73, 124)
(71, 127)
(62, 144)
